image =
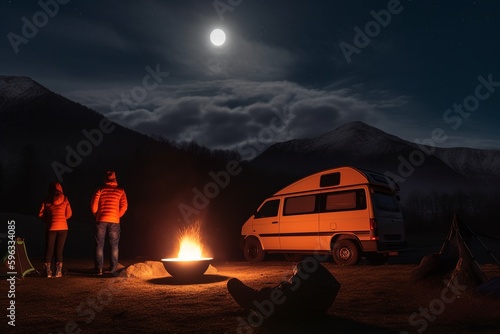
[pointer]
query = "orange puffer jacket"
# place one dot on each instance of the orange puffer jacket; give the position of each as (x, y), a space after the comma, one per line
(109, 203)
(55, 212)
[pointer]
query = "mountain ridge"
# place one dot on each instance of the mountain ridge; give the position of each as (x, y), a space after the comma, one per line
(359, 144)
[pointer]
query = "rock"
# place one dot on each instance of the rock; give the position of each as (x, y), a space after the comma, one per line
(157, 268)
(211, 270)
(146, 269)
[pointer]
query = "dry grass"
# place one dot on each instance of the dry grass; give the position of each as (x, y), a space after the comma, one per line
(371, 300)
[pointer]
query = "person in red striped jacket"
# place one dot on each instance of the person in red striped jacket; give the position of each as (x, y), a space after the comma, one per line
(55, 211)
(109, 204)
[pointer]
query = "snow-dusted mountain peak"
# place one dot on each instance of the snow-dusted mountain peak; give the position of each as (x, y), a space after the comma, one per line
(363, 130)
(357, 136)
(16, 88)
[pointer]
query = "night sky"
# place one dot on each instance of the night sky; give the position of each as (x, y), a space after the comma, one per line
(288, 69)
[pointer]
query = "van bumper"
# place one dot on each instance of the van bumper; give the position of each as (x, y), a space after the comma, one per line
(378, 246)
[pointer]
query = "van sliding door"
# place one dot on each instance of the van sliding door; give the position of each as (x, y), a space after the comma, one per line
(299, 223)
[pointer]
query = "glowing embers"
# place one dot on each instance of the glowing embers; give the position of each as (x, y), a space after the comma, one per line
(190, 262)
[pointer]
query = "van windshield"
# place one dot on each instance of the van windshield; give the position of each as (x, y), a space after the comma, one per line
(386, 202)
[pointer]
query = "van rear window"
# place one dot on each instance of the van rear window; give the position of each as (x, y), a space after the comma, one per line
(300, 205)
(385, 202)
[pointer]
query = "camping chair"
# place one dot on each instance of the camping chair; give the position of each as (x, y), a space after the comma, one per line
(22, 265)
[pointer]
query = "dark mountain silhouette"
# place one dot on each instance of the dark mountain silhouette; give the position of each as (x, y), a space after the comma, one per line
(413, 167)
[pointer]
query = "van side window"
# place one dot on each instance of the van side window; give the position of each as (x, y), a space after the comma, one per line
(269, 209)
(345, 200)
(300, 205)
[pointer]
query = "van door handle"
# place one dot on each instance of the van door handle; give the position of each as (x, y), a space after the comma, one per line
(274, 223)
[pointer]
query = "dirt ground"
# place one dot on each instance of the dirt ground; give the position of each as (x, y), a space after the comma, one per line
(372, 299)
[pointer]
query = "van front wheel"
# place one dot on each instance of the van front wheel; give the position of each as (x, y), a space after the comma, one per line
(253, 251)
(345, 252)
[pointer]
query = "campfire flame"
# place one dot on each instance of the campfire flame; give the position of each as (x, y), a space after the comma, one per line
(190, 244)
(190, 248)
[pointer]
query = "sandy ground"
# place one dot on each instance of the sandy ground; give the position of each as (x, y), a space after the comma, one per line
(372, 299)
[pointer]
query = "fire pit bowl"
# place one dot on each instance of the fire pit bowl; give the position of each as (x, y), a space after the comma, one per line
(181, 268)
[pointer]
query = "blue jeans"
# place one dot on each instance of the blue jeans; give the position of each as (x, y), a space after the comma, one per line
(113, 231)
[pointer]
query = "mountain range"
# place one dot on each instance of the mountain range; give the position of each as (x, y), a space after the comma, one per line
(45, 137)
(413, 166)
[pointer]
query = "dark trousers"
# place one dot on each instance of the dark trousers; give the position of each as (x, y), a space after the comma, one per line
(54, 240)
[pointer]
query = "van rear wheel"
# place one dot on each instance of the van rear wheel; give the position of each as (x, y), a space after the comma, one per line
(345, 253)
(252, 250)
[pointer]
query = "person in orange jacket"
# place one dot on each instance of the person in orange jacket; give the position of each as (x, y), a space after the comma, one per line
(108, 205)
(55, 211)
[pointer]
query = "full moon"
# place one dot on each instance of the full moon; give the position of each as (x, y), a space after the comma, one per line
(217, 37)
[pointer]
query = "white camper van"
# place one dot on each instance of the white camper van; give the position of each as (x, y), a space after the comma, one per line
(345, 212)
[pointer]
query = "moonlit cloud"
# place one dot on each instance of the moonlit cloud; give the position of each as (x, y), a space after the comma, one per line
(225, 113)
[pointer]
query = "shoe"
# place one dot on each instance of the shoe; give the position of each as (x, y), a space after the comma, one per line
(48, 270)
(111, 270)
(59, 269)
(242, 294)
(98, 271)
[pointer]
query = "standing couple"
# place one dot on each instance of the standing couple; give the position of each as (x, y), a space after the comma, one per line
(108, 205)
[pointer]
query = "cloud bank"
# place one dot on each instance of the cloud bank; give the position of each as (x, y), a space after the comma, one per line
(226, 113)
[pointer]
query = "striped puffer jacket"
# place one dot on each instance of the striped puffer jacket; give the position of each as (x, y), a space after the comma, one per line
(109, 203)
